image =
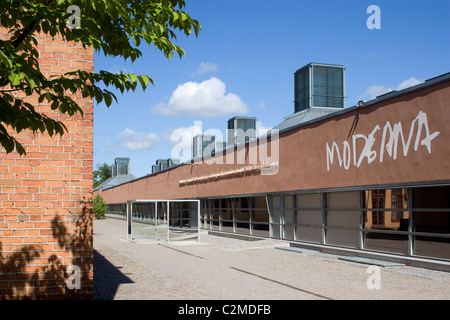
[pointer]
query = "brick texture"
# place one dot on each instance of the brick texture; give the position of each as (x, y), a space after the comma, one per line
(46, 196)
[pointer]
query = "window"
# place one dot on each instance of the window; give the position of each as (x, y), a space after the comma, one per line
(378, 202)
(301, 83)
(328, 88)
(397, 203)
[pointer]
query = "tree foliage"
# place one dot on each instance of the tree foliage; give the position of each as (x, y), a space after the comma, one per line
(101, 174)
(115, 28)
(99, 207)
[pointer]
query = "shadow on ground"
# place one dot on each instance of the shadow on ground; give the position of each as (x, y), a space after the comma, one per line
(107, 278)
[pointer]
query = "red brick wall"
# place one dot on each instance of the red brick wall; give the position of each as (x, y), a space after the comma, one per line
(46, 196)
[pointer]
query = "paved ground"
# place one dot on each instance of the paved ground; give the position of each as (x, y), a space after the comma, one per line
(220, 268)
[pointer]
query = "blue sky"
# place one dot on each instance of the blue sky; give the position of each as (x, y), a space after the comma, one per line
(243, 60)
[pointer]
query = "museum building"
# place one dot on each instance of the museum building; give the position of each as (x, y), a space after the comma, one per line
(371, 180)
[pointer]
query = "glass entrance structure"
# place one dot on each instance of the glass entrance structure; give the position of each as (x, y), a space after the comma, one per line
(162, 220)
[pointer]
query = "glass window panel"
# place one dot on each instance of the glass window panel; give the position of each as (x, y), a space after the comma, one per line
(397, 200)
(432, 197)
(342, 209)
(309, 217)
(434, 218)
(288, 216)
(227, 214)
(343, 218)
(250, 124)
(386, 242)
(259, 203)
(276, 216)
(231, 124)
(343, 200)
(261, 230)
(288, 232)
(215, 224)
(276, 202)
(301, 83)
(244, 203)
(391, 214)
(288, 202)
(433, 247)
(243, 228)
(275, 230)
(341, 237)
(309, 200)
(432, 222)
(227, 226)
(243, 216)
(309, 234)
(260, 216)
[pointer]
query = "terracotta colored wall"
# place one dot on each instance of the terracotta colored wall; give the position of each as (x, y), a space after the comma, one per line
(303, 154)
(46, 196)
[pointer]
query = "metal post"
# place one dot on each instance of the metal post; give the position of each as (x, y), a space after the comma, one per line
(234, 215)
(282, 224)
(168, 220)
(362, 220)
(323, 198)
(128, 212)
(410, 200)
(294, 213)
(250, 210)
(131, 220)
(198, 220)
(156, 220)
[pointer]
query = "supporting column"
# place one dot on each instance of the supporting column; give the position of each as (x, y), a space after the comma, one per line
(129, 212)
(324, 217)
(156, 220)
(198, 220)
(362, 219)
(409, 194)
(168, 221)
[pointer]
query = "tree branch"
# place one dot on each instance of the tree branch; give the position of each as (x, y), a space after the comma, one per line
(12, 90)
(24, 34)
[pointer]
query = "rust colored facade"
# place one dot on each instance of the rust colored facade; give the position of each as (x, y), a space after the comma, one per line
(310, 155)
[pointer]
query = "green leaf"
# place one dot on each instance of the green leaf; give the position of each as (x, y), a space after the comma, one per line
(133, 77)
(14, 79)
(107, 99)
(20, 149)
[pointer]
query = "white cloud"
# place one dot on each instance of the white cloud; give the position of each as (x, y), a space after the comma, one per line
(262, 130)
(204, 99)
(110, 148)
(408, 83)
(262, 105)
(206, 67)
(376, 90)
(181, 140)
(373, 92)
(136, 141)
(120, 68)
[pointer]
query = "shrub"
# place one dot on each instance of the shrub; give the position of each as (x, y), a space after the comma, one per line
(99, 207)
